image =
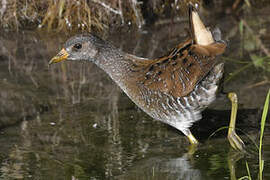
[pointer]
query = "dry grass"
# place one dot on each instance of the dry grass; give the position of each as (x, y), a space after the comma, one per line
(52, 15)
(72, 15)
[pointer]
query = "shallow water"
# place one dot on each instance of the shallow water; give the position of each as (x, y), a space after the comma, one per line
(70, 121)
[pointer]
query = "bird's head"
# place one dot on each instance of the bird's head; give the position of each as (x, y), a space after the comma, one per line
(79, 47)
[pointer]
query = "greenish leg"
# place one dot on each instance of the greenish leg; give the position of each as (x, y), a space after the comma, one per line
(233, 138)
(193, 143)
(192, 139)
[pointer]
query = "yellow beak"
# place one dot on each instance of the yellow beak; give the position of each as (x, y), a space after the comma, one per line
(61, 56)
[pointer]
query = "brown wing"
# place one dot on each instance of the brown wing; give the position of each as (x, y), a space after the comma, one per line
(178, 72)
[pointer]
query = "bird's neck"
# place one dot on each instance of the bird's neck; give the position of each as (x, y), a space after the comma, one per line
(113, 62)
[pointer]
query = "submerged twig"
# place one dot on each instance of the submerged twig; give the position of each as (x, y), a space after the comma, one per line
(258, 84)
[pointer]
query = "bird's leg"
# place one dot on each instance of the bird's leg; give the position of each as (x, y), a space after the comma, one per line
(233, 157)
(193, 142)
(233, 138)
(191, 138)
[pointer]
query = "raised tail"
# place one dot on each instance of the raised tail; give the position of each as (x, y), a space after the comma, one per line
(200, 34)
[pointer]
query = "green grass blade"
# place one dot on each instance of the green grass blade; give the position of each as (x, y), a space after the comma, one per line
(243, 178)
(264, 115)
(238, 71)
(248, 171)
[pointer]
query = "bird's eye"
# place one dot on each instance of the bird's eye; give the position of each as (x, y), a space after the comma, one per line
(77, 46)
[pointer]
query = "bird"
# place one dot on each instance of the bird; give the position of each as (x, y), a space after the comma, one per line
(174, 88)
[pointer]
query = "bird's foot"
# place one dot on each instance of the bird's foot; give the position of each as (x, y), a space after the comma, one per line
(235, 141)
